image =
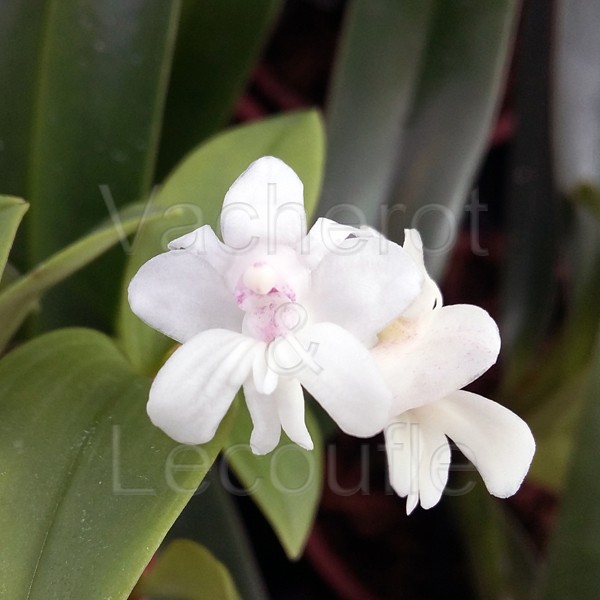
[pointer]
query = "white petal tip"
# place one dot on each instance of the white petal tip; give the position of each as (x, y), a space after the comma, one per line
(368, 430)
(260, 448)
(506, 481)
(267, 385)
(412, 237)
(503, 494)
(510, 487)
(180, 432)
(300, 435)
(258, 451)
(411, 503)
(183, 437)
(307, 445)
(183, 242)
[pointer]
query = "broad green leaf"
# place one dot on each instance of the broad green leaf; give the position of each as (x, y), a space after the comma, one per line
(17, 300)
(574, 559)
(576, 96)
(554, 422)
(415, 90)
(576, 152)
(20, 36)
(11, 212)
(547, 373)
(532, 221)
(102, 81)
(212, 518)
(186, 570)
(374, 84)
(501, 559)
(576, 157)
(285, 484)
(217, 44)
(197, 188)
(88, 486)
(588, 196)
(450, 122)
(9, 276)
(583, 314)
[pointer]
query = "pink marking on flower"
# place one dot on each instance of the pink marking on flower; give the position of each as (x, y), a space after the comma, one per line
(265, 317)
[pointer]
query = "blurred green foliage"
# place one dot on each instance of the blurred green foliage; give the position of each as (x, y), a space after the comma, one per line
(106, 99)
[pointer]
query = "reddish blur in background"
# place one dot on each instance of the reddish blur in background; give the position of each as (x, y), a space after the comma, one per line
(363, 546)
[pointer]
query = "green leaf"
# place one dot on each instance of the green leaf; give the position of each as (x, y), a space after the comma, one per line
(102, 81)
(554, 425)
(20, 32)
(196, 189)
(576, 147)
(533, 213)
(11, 212)
(501, 559)
(18, 299)
(450, 122)
(212, 518)
(188, 571)
(588, 196)
(217, 44)
(375, 78)
(10, 275)
(576, 96)
(89, 487)
(574, 558)
(566, 360)
(285, 484)
(415, 90)
(580, 329)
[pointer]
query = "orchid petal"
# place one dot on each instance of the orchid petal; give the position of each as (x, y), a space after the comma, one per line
(342, 376)
(494, 439)
(418, 459)
(401, 443)
(430, 295)
(263, 411)
(204, 242)
(180, 294)
(290, 402)
(435, 463)
(264, 203)
(412, 501)
(364, 285)
(324, 237)
(265, 379)
(195, 387)
(441, 355)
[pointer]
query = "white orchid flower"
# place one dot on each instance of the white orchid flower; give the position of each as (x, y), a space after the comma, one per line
(270, 309)
(427, 355)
